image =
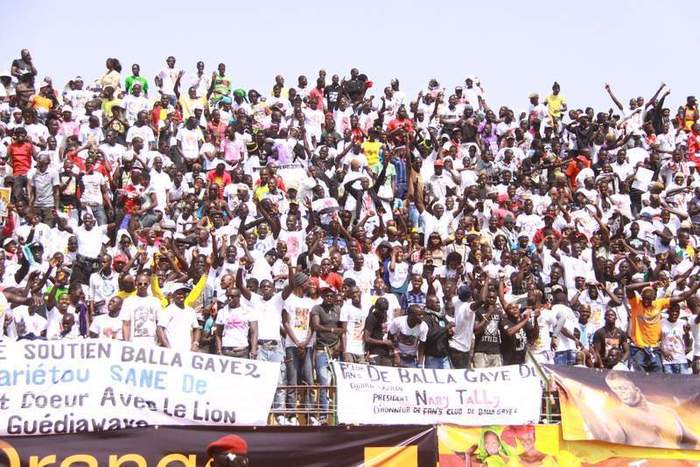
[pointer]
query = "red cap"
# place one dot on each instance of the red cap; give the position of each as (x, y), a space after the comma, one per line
(229, 443)
(439, 163)
(120, 259)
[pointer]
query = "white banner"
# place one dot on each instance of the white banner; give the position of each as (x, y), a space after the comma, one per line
(74, 386)
(378, 395)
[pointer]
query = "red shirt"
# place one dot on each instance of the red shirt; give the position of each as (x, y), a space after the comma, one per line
(221, 180)
(21, 157)
(694, 148)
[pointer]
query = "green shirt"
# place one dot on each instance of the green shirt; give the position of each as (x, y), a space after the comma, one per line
(131, 80)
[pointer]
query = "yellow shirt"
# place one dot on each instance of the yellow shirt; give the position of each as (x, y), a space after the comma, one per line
(554, 104)
(645, 323)
(371, 152)
(41, 102)
(188, 104)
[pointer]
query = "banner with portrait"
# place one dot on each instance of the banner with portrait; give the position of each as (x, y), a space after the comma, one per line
(386, 446)
(629, 408)
(542, 445)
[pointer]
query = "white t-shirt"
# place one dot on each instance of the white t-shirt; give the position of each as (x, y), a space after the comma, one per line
(546, 323)
(397, 277)
(464, 325)
(672, 340)
(178, 324)
(565, 319)
(269, 317)
(102, 288)
(90, 241)
(408, 337)
(236, 325)
(142, 312)
(355, 319)
(92, 188)
(106, 326)
(189, 142)
(695, 333)
(144, 132)
(168, 76)
(26, 323)
(299, 316)
(53, 323)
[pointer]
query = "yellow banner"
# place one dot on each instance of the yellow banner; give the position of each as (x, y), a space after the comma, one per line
(543, 445)
(629, 408)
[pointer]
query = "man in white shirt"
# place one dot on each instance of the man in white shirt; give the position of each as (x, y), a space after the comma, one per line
(166, 78)
(103, 285)
(409, 333)
(108, 325)
(236, 328)
(567, 343)
(139, 314)
(461, 341)
(93, 186)
(352, 318)
(178, 327)
(134, 103)
(269, 306)
(90, 238)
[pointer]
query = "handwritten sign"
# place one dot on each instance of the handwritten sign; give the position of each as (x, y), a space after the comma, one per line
(74, 386)
(387, 395)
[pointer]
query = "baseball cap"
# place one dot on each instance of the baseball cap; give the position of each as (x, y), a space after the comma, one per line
(439, 163)
(67, 108)
(4, 73)
(532, 95)
(174, 287)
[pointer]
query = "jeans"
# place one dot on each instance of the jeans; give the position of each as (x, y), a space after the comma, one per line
(408, 361)
(565, 358)
(323, 373)
(19, 188)
(99, 212)
(414, 217)
(298, 373)
(676, 368)
(269, 353)
(458, 359)
(438, 363)
(645, 359)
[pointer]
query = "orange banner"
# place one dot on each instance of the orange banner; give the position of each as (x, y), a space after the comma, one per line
(629, 408)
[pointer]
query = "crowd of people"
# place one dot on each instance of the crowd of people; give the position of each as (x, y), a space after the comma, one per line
(340, 220)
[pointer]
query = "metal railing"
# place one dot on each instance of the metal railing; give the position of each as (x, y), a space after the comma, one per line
(307, 401)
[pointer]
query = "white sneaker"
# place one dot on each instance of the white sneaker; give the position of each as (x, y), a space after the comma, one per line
(292, 421)
(313, 421)
(281, 421)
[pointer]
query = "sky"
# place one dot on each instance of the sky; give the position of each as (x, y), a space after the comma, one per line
(514, 47)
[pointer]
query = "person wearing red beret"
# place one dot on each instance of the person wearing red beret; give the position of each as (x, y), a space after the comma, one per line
(228, 451)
